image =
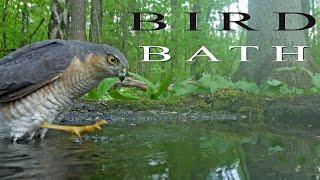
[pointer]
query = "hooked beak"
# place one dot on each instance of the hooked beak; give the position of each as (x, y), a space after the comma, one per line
(122, 74)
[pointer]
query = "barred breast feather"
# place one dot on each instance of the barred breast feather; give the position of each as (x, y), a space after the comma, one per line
(23, 116)
(36, 65)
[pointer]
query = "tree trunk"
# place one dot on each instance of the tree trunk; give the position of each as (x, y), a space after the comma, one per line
(138, 60)
(59, 20)
(96, 21)
(25, 23)
(196, 69)
(174, 5)
(306, 8)
(78, 20)
(314, 31)
(138, 68)
(262, 63)
(4, 24)
(125, 27)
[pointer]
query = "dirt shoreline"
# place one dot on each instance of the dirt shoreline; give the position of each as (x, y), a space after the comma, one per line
(251, 111)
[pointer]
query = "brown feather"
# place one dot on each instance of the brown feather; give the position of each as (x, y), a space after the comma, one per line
(23, 92)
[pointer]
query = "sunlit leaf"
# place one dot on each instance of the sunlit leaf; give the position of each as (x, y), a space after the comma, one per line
(274, 83)
(316, 80)
(184, 88)
(105, 85)
(246, 86)
(117, 95)
(165, 83)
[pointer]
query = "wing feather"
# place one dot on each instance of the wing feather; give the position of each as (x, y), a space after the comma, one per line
(32, 67)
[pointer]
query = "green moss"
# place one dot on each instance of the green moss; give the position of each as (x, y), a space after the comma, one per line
(255, 110)
(232, 101)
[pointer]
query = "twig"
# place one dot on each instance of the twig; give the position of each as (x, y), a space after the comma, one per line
(37, 28)
(8, 50)
(132, 83)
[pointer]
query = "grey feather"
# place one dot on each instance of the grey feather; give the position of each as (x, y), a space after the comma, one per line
(33, 66)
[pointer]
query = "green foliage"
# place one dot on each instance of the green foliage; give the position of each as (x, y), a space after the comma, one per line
(317, 149)
(154, 91)
(11, 25)
(185, 87)
(121, 96)
(275, 87)
(207, 83)
(106, 90)
(118, 19)
(105, 86)
(164, 80)
(211, 84)
(101, 91)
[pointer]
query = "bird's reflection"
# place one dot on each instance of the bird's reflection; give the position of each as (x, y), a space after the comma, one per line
(57, 158)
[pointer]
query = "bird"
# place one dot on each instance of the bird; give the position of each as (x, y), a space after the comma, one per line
(41, 79)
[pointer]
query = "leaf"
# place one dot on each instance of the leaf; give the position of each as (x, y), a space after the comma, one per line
(246, 86)
(92, 94)
(316, 80)
(184, 87)
(207, 82)
(164, 86)
(314, 90)
(297, 91)
(143, 79)
(221, 83)
(284, 89)
(117, 95)
(276, 149)
(274, 83)
(105, 85)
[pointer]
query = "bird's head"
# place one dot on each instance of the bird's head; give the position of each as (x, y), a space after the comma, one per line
(112, 62)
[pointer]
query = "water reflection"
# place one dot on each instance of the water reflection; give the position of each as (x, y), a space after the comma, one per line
(52, 158)
(163, 151)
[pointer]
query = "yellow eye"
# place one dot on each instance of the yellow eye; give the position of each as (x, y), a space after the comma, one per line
(112, 60)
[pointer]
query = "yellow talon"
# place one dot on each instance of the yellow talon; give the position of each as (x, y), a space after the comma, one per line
(75, 130)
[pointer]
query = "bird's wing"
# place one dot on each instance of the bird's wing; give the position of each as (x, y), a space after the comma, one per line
(32, 67)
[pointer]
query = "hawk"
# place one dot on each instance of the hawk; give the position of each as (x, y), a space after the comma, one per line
(41, 79)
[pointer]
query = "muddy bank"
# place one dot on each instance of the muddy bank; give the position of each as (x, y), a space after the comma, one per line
(304, 110)
(137, 112)
(230, 106)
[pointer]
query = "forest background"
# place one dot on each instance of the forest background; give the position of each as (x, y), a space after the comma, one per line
(111, 22)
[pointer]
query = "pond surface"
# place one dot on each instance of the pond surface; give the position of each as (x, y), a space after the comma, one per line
(164, 150)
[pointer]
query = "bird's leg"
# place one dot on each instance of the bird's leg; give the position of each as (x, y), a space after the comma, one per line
(75, 130)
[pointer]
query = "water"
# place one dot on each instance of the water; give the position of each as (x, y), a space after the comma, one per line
(164, 150)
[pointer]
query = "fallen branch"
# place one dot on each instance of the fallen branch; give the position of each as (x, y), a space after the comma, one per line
(132, 83)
